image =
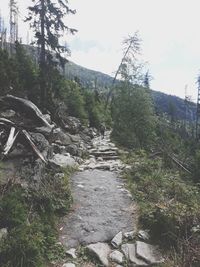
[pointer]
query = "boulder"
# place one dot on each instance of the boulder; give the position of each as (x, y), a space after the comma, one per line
(61, 138)
(41, 143)
(72, 149)
(149, 253)
(116, 256)
(101, 251)
(62, 160)
(129, 251)
(59, 149)
(72, 125)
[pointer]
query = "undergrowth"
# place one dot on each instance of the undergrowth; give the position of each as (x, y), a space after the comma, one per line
(169, 206)
(30, 216)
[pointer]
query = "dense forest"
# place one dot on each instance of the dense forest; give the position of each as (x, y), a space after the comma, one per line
(156, 135)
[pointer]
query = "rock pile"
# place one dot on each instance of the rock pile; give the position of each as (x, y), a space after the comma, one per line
(123, 252)
(103, 155)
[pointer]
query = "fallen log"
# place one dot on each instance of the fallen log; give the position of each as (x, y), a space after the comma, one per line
(11, 139)
(35, 149)
(23, 105)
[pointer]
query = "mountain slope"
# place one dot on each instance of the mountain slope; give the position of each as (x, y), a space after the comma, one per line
(164, 103)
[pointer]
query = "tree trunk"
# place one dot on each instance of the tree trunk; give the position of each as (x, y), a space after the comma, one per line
(43, 88)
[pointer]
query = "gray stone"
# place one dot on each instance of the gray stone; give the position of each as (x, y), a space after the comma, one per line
(69, 265)
(129, 251)
(103, 166)
(72, 149)
(116, 256)
(149, 253)
(3, 233)
(61, 138)
(72, 124)
(129, 235)
(144, 234)
(117, 240)
(101, 251)
(72, 252)
(58, 149)
(62, 160)
(41, 142)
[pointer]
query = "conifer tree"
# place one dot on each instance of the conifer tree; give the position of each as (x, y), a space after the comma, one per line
(46, 19)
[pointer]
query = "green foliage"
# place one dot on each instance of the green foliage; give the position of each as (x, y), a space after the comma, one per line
(27, 73)
(13, 208)
(46, 19)
(8, 72)
(169, 206)
(17, 73)
(73, 98)
(196, 166)
(133, 117)
(95, 107)
(31, 216)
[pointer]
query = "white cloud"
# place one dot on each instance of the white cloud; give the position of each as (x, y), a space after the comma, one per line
(169, 29)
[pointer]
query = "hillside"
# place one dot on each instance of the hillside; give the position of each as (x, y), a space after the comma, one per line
(164, 103)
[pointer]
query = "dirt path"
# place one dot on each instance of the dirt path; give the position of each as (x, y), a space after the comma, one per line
(102, 206)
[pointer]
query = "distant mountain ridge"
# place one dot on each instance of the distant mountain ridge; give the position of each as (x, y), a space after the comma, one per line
(164, 103)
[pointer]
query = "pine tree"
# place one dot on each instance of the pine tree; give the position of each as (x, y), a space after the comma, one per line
(46, 19)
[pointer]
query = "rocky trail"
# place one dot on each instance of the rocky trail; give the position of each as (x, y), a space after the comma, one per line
(103, 215)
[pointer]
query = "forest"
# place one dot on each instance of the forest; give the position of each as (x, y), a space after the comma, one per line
(155, 137)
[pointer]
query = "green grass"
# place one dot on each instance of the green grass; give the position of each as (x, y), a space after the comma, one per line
(31, 216)
(168, 205)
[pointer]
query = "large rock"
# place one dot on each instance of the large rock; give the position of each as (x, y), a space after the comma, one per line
(69, 264)
(149, 253)
(101, 251)
(72, 125)
(129, 251)
(62, 160)
(61, 138)
(72, 149)
(117, 240)
(41, 143)
(116, 256)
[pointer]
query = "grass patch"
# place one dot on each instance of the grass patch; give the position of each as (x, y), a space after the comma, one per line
(169, 206)
(31, 215)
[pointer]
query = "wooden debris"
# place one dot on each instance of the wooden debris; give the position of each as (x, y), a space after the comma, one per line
(11, 139)
(28, 138)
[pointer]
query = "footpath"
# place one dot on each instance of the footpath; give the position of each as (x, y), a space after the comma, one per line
(102, 223)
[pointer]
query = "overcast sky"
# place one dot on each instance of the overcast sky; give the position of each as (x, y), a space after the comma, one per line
(169, 30)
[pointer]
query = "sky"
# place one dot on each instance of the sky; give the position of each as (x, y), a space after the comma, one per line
(169, 30)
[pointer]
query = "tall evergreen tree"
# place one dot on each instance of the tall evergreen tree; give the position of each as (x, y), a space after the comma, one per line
(46, 19)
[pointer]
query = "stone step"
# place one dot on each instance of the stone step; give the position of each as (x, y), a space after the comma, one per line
(100, 154)
(109, 157)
